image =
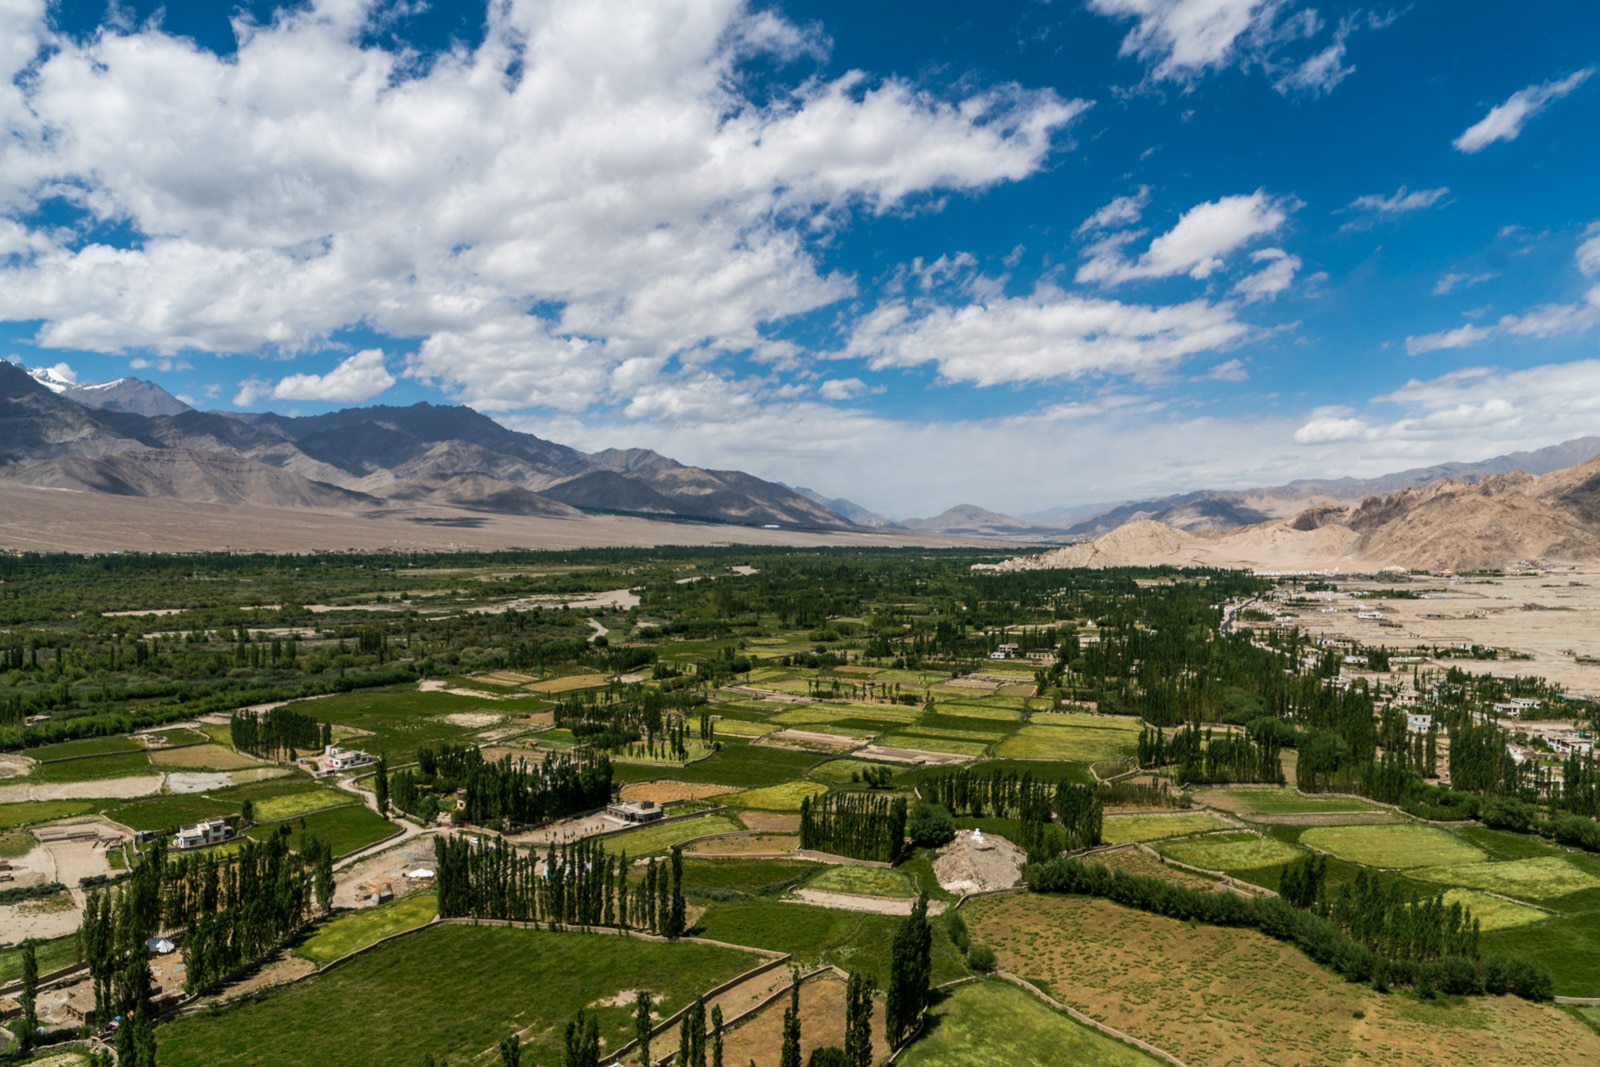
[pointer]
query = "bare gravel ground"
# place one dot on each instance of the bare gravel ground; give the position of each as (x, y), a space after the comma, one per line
(1553, 617)
(970, 864)
(52, 520)
(105, 789)
(389, 868)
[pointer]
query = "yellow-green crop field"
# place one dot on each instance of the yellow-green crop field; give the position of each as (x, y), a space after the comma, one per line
(1066, 743)
(1539, 878)
(1392, 846)
(1493, 913)
(662, 836)
(1230, 853)
(1121, 829)
(785, 796)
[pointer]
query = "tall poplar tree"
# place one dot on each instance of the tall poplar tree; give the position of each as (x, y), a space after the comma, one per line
(641, 1025)
(29, 998)
(380, 785)
(790, 1055)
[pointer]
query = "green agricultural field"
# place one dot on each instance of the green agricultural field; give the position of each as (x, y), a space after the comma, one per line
(69, 1058)
(1124, 724)
(746, 876)
(994, 1024)
(868, 881)
(16, 842)
(1120, 829)
(931, 726)
(848, 939)
(1405, 845)
(979, 711)
(740, 764)
(344, 829)
(1278, 802)
(1493, 913)
(934, 744)
(352, 930)
(784, 797)
(662, 836)
(1543, 878)
(1067, 743)
(840, 770)
(401, 718)
(182, 735)
(164, 812)
(51, 955)
(742, 728)
(1568, 945)
(383, 1007)
(36, 811)
(95, 768)
(89, 746)
(1232, 852)
(294, 805)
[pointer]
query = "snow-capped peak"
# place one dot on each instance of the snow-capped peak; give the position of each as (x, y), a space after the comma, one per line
(57, 379)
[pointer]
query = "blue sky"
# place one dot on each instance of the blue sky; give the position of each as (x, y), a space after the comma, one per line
(1016, 254)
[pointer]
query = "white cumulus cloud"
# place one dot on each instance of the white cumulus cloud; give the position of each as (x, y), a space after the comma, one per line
(1122, 211)
(1186, 38)
(1272, 279)
(588, 200)
(1504, 122)
(1197, 245)
(1049, 334)
(361, 377)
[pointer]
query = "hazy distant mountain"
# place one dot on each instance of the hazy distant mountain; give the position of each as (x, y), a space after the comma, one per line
(359, 458)
(849, 509)
(969, 520)
(131, 395)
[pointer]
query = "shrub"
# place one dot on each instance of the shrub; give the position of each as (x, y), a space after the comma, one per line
(956, 927)
(982, 958)
(931, 825)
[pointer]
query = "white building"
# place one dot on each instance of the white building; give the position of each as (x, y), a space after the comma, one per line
(635, 811)
(1419, 723)
(335, 759)
(211, 832)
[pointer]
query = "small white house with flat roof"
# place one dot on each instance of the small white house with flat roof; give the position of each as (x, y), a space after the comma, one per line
(200, 835)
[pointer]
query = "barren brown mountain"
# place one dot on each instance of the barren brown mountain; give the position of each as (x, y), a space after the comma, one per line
(1449, 525)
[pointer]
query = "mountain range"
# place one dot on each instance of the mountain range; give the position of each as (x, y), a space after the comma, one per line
(1496, 521)
(132, 438)
(1209, 509)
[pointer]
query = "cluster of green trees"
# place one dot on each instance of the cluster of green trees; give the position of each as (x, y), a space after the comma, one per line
(982, 793)
(277, 733)
(117, 924)
(512, 793)
(642, 720)
(1081, 810)
(857, 825)
(1398, 926)
(578, 884)
(237, 910)
(1203, 756)
(1319, 937)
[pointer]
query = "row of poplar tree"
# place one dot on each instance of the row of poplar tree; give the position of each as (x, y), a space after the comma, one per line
(577, 884)
(857, 825)
(511, 793)
(277, 733)
(1035, 804)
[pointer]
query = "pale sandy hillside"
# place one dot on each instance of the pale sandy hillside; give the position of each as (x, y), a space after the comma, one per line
(1500, 521)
